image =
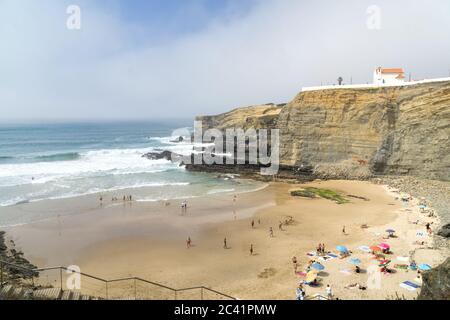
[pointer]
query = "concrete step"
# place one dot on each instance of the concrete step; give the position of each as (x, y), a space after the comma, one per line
(67, 295)
(76, 295)
(6, 291)
(19, 293)
(48, 294)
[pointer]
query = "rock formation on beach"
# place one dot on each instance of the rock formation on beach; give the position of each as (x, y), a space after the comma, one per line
(357, 133)
(436, 283)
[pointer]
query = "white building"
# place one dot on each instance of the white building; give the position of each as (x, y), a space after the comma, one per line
(389, 76)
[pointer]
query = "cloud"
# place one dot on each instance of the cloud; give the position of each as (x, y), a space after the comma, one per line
(110, 70)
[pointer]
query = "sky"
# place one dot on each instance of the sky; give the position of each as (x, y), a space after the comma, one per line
(155, 59)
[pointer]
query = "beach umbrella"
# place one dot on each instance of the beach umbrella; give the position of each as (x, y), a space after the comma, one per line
(311, 276)
(422, 206)
(384, 246)
(341, 249)
(355, 261)
(375, 248)
(390, 231)
(424, 267)
(317, 266)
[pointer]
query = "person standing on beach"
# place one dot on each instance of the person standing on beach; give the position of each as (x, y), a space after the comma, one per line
(188, 242)
(329, 292)
(280, 226)
(343, 230)
(299, 292)
(253, 224)
(271, 232)
(251, 249)
(225, 243)
(295, 263)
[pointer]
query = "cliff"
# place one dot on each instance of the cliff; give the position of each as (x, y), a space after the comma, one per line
(436, 283)
(357, 133)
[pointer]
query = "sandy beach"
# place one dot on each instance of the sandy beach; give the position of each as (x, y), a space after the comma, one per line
(148, 239)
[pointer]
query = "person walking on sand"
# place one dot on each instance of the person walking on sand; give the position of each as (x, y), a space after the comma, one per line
(188, 242)
(343, 230)
(299, 292)
(329, 292)
(225, 243)
(271, 232)
(253, 224)
(251, 249)
(280, 226)
(295, 263)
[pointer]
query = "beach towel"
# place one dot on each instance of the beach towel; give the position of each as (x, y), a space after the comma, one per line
(345, 271)
(332, 255)
(403, 258)
(408, 285)
(364, 249)
(420, 234)
(325, 258)
(301, 273)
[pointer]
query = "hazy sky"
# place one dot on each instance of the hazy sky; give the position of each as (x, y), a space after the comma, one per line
(161, 59)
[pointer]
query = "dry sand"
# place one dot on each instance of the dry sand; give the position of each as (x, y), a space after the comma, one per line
(149, 240)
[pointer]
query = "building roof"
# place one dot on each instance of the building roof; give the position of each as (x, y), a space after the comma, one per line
(392, 70)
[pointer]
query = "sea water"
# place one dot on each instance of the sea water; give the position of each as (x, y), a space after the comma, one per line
(57, 161)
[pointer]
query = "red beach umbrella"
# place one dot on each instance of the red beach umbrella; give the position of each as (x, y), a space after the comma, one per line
(375, 248)
(384, 246)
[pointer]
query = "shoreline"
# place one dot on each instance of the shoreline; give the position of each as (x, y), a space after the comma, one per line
(126, 240)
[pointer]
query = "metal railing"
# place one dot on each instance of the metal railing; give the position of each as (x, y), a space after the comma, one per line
(114, 289)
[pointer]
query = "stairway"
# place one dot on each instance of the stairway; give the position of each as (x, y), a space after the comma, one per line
(10, 292)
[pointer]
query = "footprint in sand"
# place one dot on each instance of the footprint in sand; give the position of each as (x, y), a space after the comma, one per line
(268, 272)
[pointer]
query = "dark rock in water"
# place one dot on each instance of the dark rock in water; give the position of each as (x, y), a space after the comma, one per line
(445, 231)
(158, 155)
(436, 283)
(179, 139)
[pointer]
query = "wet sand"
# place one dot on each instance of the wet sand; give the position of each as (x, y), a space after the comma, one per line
(148, 239)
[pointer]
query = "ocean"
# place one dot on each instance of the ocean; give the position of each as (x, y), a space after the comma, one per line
(57, 161)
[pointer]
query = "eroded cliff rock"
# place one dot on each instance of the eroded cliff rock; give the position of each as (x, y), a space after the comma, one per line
(356, 133)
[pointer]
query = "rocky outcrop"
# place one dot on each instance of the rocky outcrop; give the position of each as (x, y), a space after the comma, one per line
(357, 133)
(436, 283)
(257, 117)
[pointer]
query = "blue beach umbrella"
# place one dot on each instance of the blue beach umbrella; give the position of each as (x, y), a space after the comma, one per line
(424, 267)
(354, 261)
(341, 249)
(390, 231)
(317, 266)
(422, 206)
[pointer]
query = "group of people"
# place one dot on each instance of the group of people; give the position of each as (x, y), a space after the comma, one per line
(321, 249)
(184, 206)
(114, 198)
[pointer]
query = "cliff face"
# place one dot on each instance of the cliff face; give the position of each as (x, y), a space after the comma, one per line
(347, 133)
(257, 117)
